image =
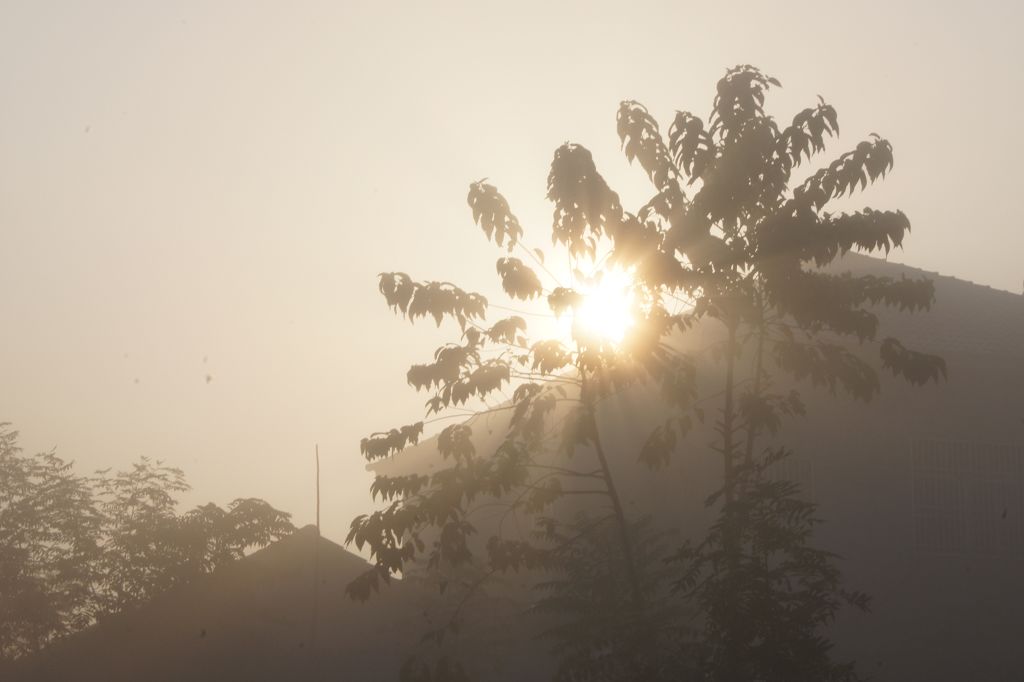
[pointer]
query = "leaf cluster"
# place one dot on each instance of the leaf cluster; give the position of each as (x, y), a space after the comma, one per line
(726, 238)
(75, 549)
(763, 590)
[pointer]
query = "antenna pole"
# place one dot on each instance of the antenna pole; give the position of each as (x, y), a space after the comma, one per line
(318, 489)
(316, 566)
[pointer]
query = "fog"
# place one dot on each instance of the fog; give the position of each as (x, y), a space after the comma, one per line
(196, 198)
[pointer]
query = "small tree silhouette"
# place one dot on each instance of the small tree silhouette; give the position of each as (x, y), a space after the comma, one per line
(726, 241)
(74, 549)
(49, 548)
(149, 548)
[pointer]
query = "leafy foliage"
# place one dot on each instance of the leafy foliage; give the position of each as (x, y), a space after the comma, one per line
(492, 213)
(149, 548)
(381, 445)
(75, 549)
(728, 241)
(599, 632)
(436, 299)
(49, 529)
(765, 592)
(518, 280)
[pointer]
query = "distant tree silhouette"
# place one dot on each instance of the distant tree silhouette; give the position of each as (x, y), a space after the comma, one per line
(599, 632)
(74, 549)
(49, 548)
(726, 240)
(149, 548)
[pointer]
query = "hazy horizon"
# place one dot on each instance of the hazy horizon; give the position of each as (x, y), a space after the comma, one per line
(195, 200)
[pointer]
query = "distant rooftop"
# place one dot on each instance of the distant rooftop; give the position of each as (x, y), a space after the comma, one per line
(264, 617)
(967, 318)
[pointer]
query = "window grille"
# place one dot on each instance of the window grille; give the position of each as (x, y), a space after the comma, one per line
(967, 497)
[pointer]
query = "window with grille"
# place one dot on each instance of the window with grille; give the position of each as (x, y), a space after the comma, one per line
(967, 497)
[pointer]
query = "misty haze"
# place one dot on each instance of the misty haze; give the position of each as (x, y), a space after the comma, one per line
(455, 342)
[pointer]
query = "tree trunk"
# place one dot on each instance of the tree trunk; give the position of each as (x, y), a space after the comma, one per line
(731, 532)
(758, 371)
(613, 495)
(729, 416)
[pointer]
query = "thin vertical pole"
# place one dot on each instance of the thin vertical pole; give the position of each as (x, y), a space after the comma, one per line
(318, 490)
(316, 564)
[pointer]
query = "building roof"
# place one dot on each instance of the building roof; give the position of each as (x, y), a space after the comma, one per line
(967, 324)
(253, 620)
(967, 318)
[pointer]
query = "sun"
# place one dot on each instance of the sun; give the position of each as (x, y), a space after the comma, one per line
(606, 313)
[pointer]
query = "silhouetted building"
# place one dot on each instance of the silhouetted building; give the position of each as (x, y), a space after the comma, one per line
(921, 490)
(263, 618)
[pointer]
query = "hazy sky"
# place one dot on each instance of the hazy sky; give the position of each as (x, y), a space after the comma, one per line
(217, 180)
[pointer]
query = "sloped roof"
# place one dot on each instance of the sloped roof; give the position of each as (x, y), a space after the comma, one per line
(967, 318)
(967, 321)
(253, 620)
(935, 617)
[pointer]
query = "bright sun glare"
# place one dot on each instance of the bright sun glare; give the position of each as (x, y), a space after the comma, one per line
(606, 312)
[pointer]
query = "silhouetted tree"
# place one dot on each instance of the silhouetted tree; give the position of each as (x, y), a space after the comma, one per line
(726, 240)
(49, 547)
(599, 632)
(74, 549)
(750, 238)
(765, 591)
(149, 548)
